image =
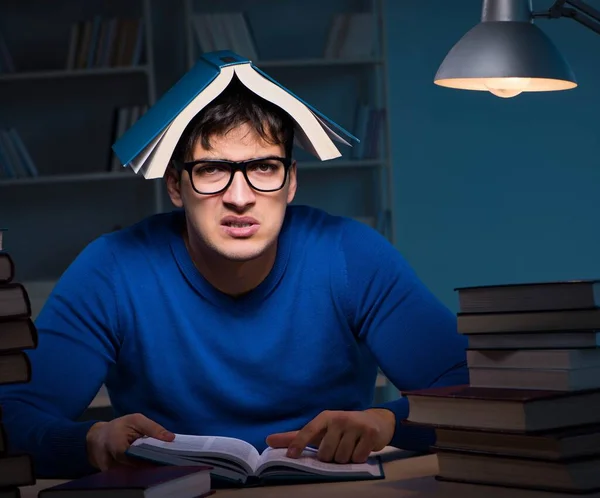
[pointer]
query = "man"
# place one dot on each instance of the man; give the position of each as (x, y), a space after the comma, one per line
(234, 315)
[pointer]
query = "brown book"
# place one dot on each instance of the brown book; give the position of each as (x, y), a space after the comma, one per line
(18, 334)
(535, 340)
(16, 470)
(131, 482)
(561, 444)
(14, 302)
(533, 296)
(534, 358)
(534, 321)
(15, 368)
(579, 475)
(512, 410)
(553, 379)
(7, 268)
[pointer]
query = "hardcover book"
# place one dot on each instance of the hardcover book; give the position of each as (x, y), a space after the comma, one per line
(530, 296)
(131, 482)
(509, 410)
(148, 145)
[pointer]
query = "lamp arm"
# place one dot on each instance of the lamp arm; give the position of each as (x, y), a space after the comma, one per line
(559, 10)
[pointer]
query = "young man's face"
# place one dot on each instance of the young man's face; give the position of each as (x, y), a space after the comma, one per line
(220, 221)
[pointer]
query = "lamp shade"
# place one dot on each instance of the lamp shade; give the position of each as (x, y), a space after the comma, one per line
(506, 58)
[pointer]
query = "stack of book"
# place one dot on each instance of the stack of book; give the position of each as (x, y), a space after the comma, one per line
(530, 416)
(17, 333)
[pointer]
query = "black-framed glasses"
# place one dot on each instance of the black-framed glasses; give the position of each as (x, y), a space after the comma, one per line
(208, 177)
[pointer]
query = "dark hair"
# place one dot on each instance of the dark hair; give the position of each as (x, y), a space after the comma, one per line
(235, 106)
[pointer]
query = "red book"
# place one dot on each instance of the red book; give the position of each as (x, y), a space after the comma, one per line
(133, 482)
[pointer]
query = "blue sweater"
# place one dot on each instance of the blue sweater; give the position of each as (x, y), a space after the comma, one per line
(133, 312)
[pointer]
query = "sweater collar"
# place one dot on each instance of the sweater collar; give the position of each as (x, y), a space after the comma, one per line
(208, 291)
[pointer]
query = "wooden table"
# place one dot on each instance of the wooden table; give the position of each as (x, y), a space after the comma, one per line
(406, 477)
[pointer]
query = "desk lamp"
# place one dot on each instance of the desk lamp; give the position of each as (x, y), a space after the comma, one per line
(506, 53)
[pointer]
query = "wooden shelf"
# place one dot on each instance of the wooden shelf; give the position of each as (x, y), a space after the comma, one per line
(72, 73)
(70, 178)
(316, 62)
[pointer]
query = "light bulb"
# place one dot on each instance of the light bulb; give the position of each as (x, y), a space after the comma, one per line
(506, 87)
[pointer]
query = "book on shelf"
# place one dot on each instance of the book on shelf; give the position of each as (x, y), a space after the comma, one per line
(132, 482)
(224, 31)
(351, 35)
(110, 42)
(7, 64)
(148, 145)
(15, 159)
(237, 461)
(368, 123)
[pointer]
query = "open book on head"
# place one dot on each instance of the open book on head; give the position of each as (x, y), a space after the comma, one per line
(238, 461)
(149, 144)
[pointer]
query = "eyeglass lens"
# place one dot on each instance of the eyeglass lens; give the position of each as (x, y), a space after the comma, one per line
(264, 174)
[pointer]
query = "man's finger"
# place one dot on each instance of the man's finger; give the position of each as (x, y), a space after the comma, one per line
(345, 448)
(330, 442)
(362, 450)
(311, 433)
(281, 439)
(147, 427)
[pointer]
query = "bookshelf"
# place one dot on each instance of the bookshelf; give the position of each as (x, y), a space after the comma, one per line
(62, 101)
(329, 71)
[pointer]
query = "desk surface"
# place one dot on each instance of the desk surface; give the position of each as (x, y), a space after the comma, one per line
(405, 477)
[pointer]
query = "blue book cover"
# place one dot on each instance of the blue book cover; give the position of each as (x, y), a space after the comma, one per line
(179, 96)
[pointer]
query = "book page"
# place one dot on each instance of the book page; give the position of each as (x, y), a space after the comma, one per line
(184, 444)
(138, 161)
(308, 462)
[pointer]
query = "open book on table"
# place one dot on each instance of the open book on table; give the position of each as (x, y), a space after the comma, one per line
(236, 460)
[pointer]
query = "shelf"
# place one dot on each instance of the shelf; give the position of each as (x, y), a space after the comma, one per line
(341, 163)
(70, 178)
(316, 62)
(88, 177)
(72, 73)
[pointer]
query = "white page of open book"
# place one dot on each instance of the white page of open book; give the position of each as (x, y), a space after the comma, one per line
(309, 460)
(330, 131)
(306, 120)
(139, 160)
(220, 446)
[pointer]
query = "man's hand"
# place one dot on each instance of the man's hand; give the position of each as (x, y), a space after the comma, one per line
(107, 442)
(342, 436)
